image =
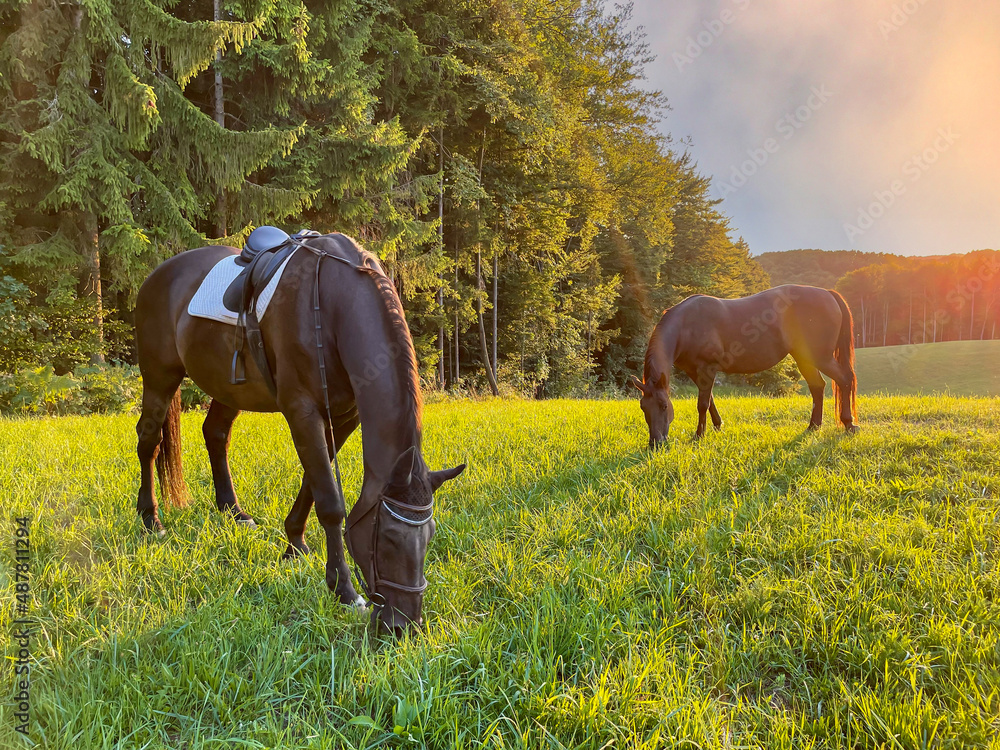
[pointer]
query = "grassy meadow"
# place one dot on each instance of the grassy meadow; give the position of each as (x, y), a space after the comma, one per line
(766, 587)
(959, 368)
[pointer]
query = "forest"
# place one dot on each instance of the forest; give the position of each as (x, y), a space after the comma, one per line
(504, 158)
(903, 300)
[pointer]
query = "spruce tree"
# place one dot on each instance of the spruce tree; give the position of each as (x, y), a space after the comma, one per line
(107, 166)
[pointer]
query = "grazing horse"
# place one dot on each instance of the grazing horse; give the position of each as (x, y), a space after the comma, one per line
(705, 335)
(368, 370)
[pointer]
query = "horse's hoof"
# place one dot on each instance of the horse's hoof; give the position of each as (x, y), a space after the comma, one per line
(852, 429)
(293, 553)
(153, 527)
(718, 427)
(812, 427)
(241, 518)
(348, 597)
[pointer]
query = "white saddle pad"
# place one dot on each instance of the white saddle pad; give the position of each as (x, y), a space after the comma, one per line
(207, 301)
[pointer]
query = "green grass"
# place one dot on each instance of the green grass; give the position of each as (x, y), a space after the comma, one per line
(960, 368)
(766, 587)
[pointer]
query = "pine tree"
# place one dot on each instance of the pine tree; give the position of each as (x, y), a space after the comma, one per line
(108, 166)
(114, 154)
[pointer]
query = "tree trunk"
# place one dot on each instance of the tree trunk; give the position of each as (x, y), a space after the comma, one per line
(90, 249)
(480, 288)
(909, 331)
(496, 269)
(923, 334)
(986, 317)
(441, 338)
(92, 284)
(864, 325)
(972, 314)
(221, 203)
(441, 246)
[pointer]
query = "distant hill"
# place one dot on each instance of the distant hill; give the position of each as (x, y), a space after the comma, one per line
(822, 268)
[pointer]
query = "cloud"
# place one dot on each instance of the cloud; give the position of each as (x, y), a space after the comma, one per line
(898, 71)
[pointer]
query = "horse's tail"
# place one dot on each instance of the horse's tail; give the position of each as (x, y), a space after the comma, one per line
(844, 354)
(173, 490)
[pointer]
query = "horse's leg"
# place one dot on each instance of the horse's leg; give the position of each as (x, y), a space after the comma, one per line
(217, 428)
(308, 430)
(295, 522)
(716, 419)
(817, 387)
(705, 381)
(835, 371)
(158, 388)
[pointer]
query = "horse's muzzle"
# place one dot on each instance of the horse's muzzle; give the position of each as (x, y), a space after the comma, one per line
(394, 626)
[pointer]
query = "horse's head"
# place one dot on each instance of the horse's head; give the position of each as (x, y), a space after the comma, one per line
(391, 543)
(656, 407)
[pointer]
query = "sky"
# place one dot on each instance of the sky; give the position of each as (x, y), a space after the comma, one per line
(838, 124)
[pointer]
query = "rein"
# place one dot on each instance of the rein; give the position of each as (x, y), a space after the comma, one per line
(374, 597)
(383, 500)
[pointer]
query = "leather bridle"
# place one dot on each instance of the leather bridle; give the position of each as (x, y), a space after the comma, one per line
(375, 598)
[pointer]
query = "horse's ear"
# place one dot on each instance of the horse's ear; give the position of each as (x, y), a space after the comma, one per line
(640, 386)
(661, 382)
(402, 470)
(437, 478)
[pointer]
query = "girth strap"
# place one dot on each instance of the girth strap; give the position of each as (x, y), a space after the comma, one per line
(256, 342)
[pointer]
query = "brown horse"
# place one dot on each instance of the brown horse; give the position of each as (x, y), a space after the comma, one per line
(371, 372)
(706, 335)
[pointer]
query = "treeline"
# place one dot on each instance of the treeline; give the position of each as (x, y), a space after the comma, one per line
(919, 301)
(822, 268)
(903, 300)
(500, 156)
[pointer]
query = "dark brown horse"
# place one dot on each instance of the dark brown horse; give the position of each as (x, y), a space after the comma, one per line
(372, 379)
(703, 336)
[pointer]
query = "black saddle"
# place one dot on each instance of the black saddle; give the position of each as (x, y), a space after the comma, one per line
(265, 250)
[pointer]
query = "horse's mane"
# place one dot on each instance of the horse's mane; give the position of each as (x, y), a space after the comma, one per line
(406, 360)
(652, 349)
